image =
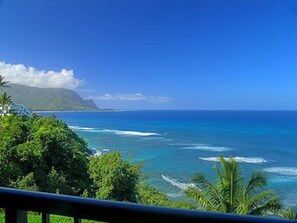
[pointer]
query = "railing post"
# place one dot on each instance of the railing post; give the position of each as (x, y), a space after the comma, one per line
(15, 216)
(76, 220)
(22, 217)
(45, 218)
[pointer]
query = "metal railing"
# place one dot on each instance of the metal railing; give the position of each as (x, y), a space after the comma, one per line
(17, 202)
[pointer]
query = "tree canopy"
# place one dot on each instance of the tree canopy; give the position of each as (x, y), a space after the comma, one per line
(42, 154)
(114, 178)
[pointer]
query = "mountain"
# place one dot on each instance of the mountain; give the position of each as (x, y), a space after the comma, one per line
(49, 99)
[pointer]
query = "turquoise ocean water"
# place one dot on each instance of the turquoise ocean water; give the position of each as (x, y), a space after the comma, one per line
(174, 145)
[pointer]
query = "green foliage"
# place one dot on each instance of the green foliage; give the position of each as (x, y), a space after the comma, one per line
(3, 84)
(113, 178)
(36, 218)
(288, 214)
(49, 98)
(231, 195)
(42, 154)
(5, 100)
(150, 196)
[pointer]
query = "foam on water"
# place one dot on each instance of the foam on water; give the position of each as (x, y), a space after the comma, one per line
(288, 171)
(117, 132)
(130, 133)
(177, 183)
(237, 159)
(202, 147)
(74, 127)
(209, 148)
(180, 144)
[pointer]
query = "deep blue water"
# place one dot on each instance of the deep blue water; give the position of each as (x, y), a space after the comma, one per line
(174, 145)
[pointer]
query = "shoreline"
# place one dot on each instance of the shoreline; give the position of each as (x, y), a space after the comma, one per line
(99, 110)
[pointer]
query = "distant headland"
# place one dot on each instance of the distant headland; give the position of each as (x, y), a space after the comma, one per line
(50, 99)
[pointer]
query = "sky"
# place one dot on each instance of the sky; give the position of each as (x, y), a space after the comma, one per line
(156, 54)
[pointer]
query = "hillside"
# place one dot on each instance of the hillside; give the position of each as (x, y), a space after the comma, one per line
(49, 99)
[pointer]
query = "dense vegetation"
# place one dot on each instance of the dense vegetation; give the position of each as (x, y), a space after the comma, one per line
(49, 99)
(42, 154)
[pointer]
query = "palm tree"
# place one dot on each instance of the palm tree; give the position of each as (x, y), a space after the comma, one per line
(3, 83)
(231, 195)
(289, 214)
(4, 101)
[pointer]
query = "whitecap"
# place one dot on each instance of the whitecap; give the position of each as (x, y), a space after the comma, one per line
(210, 148)
(130, 133)
(288, 171)
(181, 144)
(237, 159)
(74, 127)
(202, 147)
(177, 183)
(117, 132)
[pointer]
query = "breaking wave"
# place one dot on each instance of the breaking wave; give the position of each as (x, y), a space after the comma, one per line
(130, 133)
(177, 183)
(117, 132)
(210, 148)
(288, 171)
(237, 159)
(202, 147)
(74, 127)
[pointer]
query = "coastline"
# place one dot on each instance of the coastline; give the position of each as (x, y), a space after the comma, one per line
(56, 111)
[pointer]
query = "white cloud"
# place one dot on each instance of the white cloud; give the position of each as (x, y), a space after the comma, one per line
(20, 74)
(132, 97)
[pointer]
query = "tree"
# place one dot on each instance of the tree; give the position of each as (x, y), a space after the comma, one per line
(289, 214)
(3, 83)
(113, 178)
(5, 100)
(150, 196)
(231, 195)
(42, 154)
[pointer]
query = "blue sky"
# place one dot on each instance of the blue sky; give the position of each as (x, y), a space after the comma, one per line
(156, 54)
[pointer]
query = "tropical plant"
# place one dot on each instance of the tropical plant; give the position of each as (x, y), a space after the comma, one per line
(5, 100)
(44, 154)
(148, 195)
(289, 214)
(3, 83)
(114, 178)
(230, 194)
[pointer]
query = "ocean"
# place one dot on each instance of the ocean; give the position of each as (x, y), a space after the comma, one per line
(172, 146)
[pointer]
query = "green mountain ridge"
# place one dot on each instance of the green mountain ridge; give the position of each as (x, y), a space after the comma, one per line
(49, 99)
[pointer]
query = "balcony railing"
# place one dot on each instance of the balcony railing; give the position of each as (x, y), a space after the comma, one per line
(17, 202)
